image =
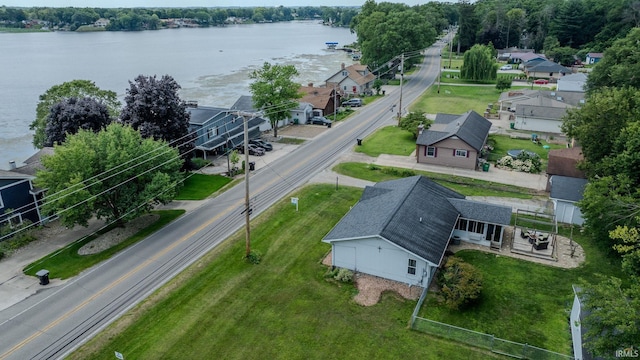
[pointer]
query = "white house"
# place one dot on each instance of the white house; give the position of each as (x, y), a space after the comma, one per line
(400, 229)
(573, 82)
(565, 193)
(355, 79)
(299, 114)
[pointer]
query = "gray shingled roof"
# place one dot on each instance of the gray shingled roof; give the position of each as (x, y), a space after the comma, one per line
(413, 213)
(484, 212)
(550, 67)
(244, 103)
(567, 188)
(470, 127)
(202, 114)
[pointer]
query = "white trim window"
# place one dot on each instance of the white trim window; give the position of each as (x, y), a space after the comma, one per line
(431, 151)
(460, 153)
(411, 268)
(1, 202)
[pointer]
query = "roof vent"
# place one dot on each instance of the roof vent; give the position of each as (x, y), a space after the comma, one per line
(12, 166)
(420, 218)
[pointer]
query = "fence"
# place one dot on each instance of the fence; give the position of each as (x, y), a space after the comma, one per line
(485, 341)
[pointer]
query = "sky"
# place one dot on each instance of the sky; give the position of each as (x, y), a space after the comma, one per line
(194, 3)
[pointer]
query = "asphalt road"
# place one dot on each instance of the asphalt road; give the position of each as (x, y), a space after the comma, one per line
(55, 321)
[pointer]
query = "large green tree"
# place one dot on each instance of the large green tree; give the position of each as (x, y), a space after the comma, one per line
(71, 89)
(153, 107)
(114, 174)
(274, 92)
(620, 65)
(479, 64)
(412, 121)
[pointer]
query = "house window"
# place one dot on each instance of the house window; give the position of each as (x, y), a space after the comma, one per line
(412, 267)
(476, 227)
(345, 73)
(1, 202)
(460, 153)
(431, 151)
(209, 133)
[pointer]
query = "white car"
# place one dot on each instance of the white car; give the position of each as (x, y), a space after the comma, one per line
(506, 67)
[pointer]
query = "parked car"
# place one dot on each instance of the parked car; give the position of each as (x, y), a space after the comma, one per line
(261, 143)
(541, 81)
(506, 67)
(320, 120)
(253, 149)
(353, 102)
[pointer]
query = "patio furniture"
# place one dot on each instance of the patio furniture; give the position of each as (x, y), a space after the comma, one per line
(524, 233)
(541, 244)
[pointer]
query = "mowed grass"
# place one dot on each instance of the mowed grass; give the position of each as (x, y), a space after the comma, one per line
(66, 262)
(524, 301)
(456, 99)
(502, 143)
(201, 186)
(282, 308)
(388, 140)
(463, 185)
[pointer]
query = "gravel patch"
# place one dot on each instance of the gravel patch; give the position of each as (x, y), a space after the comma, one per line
(118, 235)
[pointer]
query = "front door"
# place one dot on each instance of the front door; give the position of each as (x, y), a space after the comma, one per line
(493, 232)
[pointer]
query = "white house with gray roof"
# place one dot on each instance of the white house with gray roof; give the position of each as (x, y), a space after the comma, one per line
(565, 193)
(400, 229)
(453, 140)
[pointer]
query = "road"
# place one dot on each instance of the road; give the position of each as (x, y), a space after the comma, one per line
(56, 321)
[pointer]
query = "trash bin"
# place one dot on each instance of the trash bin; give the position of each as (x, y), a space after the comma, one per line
(359, 141)
(329, 125)
(512, 125)
(43, 275)
(485, 166)
(384, 92)
(252, 165)
(456, 240)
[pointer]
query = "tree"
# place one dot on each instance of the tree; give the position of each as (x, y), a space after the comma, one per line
(613, 320)
(478, 64)
(114, 174)
(514, 16)
(563, 55)
(75, 89)
(73, 114)
(468, 25)
(619, 66)
(503, 83)
(460, 283)
(274, 92)
(628, 245)
(154, 108)
(412, 121)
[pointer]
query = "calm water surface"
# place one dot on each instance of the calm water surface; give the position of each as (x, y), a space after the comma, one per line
(212, 65)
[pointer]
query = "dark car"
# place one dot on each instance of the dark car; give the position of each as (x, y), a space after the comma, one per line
(320, 120)
(261, 143)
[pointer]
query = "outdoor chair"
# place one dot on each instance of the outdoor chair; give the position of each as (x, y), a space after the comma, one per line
(541, 244)
(524, 233)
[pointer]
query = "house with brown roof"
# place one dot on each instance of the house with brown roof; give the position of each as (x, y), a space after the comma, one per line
(352, 80)
(324, 100)
(564, 162)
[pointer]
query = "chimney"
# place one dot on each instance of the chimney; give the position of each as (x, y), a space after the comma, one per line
(342, 66)
(420, 129)
(12, 165)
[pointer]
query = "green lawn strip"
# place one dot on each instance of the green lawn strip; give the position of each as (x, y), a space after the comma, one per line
(456, 99)
(388, 140)
(66, 262)
(524, 301)
(463, 185)
(290, 140)
(201, 186)
(283, 308)
(453, 77)
(503, 143)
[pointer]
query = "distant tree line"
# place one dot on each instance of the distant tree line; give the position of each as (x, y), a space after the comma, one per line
(135, 19)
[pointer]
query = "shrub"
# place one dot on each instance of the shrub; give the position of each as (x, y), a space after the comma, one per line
(523, 162)
(344, 275)
(503, 83)
(460, 283)
(254, 257)
(199, 163)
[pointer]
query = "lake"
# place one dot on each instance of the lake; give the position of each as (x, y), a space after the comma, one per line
(212, 65)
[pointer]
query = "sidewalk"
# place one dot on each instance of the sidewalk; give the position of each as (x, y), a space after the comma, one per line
(15, 286)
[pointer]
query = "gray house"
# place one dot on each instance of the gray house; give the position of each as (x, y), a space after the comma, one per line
(565, 193)
(218, 129)
(453, 140)
(400, 229)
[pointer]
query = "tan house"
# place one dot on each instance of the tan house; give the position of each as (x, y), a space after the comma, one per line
(545, 70)
(453, 140)
(353, 80)
(323, 99)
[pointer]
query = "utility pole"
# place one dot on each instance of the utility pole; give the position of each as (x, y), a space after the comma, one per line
(335, 105)
(450, 45)
(401, 79)
(247, 205)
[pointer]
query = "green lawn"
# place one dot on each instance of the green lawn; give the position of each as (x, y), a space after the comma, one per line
(456, 99)
(503, 143)
(463, 185)
(66, 262)
(388, 140)
(283, 308)
(524, 301)
(200, 186)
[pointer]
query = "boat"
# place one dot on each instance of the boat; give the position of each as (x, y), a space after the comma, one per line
(331, 45)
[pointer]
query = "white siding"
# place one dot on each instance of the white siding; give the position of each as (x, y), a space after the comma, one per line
(576, 328)
(567, 212)
(378, 257)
